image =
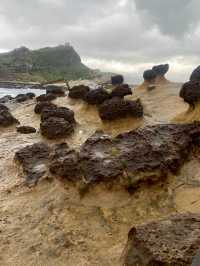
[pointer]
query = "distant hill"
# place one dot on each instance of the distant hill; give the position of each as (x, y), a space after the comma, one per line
(46, 64)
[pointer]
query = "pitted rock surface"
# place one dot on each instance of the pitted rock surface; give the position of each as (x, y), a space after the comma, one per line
(121, 91)
(33, 159)
(170, 242)
(41, 106)
(97, 96)
(120, 108)
(61, 112)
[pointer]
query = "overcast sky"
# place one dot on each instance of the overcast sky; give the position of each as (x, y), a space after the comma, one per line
(125, 36)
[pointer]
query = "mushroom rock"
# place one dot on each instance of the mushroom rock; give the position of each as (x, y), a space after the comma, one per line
(41, 106)
(46, 97)
(117, 80)
(79, 92)
(33, 159)
(56, 90)
(7, 119)
(149, 75)
(161, 70)
(63, 162)
(26, 130)
(190, 92)
(172, 241)
(61, 112)
(121, 91)
(137, 156)
(97, 96)
(118, 108)
(56, 127)
(195, 76)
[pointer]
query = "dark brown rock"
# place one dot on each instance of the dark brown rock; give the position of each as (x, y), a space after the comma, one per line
(117, 80)
(21, 98)
(3, 107)
(121, 91)
(33, 159)
(149, 75)
(170, 242)
(30, 95)
(55, 90)
(46, 97)
(97, 96)
(145, 155)
(161, 70)
(61, 112)
(119, 108)
(7, 119)
(79, 92)
(195, 76)
(64, 162)
(41, 106)
(26, 130)
(190, 92)
(56, 127)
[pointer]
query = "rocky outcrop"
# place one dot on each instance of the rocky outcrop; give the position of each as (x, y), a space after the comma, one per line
(55, 90)
(7, 119)
(26, 130)
(24, 97)
(97, 96)
(190, 92)
(117, 80)
(64, 162)
(121, 91)
(46, 97)
(161, 70)
(195, 76)
(3, 107)
(41, 106)
(120, 108)
(173, 241)
(33, 159)
(60, 112)
(79, 92)
(149, 75)
(6, 99)
(56, 127)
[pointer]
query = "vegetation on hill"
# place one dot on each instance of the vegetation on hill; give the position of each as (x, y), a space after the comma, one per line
(46, 64)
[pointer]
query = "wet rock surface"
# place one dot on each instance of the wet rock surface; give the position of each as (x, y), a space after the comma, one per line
(26, 130)
(195, 76)
(46, 97)
(173, 241)
(6, 118)
(117, 80)
(190, 92)
(97, 96)
(33, 159)
(79, 92)
(120, 108)
(55, 90)
(56, 127)
(60, 112)
(40, 106)
(121, 91)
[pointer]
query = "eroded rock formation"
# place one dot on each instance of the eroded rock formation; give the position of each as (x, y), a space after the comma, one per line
(195, 76)
(61, 112)
(190, 92)
(79, 92)
(41, 106)
(46, 97)
(120, 108)
(97, 96)
(149, 75)
(161, 70)
(173, 241)
(6, 118)
(117, 80)
(56, 90)
(121, 91)
(26, 130)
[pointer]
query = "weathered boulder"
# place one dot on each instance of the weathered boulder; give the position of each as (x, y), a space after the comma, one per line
(117, 80)
(56, 90)
(3, 107)
(64, 162)
(169, 242)
(61, 112)
(161, 70)
(26, 130)
(56, 127)
(195, 76)
(33, 159)
(79, 92)
(41, 106)
(97, 96)
(7, 119)
(46, 97)
(6, 99)
(145, 155)
(119, 108)
(149, 75)
(190, 92)
(121, 91)
(30, 95)
(21, 98)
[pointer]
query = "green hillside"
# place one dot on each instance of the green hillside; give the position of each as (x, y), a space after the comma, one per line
(46, 64)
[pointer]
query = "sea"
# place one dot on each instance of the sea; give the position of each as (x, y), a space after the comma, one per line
(14, 92)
